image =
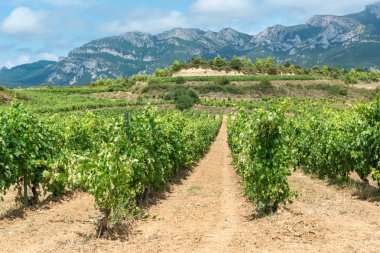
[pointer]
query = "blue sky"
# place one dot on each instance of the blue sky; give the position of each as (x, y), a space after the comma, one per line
(32, 30)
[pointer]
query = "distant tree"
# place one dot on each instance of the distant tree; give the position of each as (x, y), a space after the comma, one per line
(351, 77)
(247, 63)
(197, 62)
(139, 78)
(373, 76)
(236, 63)
(177, 66)
(162, 72)
(326, 69)
(263, 65)
(247, 66)
(306, 71)
(359, 70)
(219, 62)
(334, 73)
(287, 64)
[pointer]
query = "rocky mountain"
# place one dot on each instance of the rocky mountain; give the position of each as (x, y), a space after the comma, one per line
(344, 41)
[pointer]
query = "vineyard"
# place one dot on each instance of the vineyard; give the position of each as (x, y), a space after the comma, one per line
(266, 146)
(116, 161)
(86, 167)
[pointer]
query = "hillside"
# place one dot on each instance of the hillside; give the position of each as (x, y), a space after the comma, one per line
(343, 41)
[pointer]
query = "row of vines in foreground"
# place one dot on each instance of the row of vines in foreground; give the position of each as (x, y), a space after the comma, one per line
(262, 157)
(115, 161)
(330, 143)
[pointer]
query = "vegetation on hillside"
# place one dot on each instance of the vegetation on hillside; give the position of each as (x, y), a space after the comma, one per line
(268, 66)
(258, 70)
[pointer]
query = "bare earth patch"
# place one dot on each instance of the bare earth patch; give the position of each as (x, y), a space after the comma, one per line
(206, 212)
(207, 72)
(369, 86)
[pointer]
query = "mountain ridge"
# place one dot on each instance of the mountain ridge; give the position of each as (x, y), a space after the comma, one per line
(345, 41)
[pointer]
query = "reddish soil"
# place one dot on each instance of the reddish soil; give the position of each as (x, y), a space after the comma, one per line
(206, 212)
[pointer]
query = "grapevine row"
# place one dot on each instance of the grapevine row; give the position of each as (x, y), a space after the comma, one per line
(330, 143)
(262, 157)
(115, 162)
(334, 144)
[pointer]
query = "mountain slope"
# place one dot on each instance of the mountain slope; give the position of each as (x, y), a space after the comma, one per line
(27, 74)
(344, 41)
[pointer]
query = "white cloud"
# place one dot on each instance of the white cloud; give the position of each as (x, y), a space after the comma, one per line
(63, 2)
(319, 6)
(156, 21)
(47, 56)
(206, 14)
(23, 21)
(59, 3)
(27, 58)
(18, 61)
(230, 8)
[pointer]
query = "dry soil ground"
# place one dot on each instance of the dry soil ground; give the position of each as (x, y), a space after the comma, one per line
(205, 212)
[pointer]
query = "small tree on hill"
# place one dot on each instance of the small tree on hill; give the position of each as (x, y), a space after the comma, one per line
(219, 62)
(177, 66)
(236, 63)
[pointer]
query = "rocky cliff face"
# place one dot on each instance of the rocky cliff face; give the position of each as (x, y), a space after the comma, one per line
(345, 41)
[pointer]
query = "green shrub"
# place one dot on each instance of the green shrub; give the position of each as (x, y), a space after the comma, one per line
(341, 91)
(177, 66)
(265, 85)
(139, 78)
(162, 72)
(334, 90)
(183, 91)
(154, 81)
(184, 102)
(193, 94)
(350, 78)
(167, 96)
(180, 80)
(222, 81)
(236, 63)
(140, 99)
(219, 88)
(373, 76)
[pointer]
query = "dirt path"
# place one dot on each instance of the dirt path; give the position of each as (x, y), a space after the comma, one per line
(206, 212)
(201, 214)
